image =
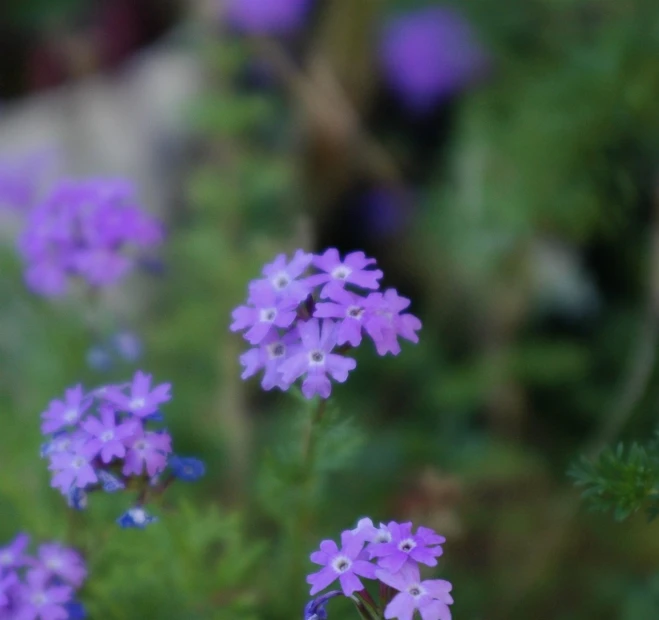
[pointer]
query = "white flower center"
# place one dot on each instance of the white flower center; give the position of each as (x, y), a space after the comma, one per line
(54, 563)
(78, 462)
(406, 545)
(138, 515)
(276, 349)
(383, 536)
(281, 280)
(140, 445)
(107, 436)
(341, 272)
(354, 312)
(6, 558)
(70, 415)
(341, 563)
(316, 357)
(268, 315)
(416, 590)
(137, 403)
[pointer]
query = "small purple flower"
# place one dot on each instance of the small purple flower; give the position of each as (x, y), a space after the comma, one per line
(275, 17)
(136, 517)
(67, 412)
(13, 555)
(40, 601)
(264, 315)
(269, 356)
(73, 469)
(143, 400)
(316, 609)
(338, 273)
(188, 469)
(282, 277)
(344, 564)
(431, 597)
(423, 547)
(107, 438)
(63, 563)
(366, 530)
(127, 345)
(430, 54)
(385, 323)
(149, 451)
(351, 309)
(316, 360)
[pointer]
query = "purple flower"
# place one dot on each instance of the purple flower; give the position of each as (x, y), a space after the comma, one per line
(283, 277)
(67, 412)
(338, 273)
(142, 401)
(272, 17)
(148, 450)
(107, 437)
(13, 555)
(266, 313)
(63, 563)
(344, 564)
(73, 469)
(89, 229)
(429, 55)
(269, 355)
(39, 601)
(366, 530)
(351, 308)
(385, 322)
(316, 360)
(421, 547)
(431, 597)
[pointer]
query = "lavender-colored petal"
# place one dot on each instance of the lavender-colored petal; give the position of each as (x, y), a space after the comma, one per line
(320, 580)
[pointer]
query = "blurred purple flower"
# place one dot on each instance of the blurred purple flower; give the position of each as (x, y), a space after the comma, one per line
(63, 562)
(143, 400)
(39, 600)
(429, 55)
(261, 17)
(13, 555)
(93, 229)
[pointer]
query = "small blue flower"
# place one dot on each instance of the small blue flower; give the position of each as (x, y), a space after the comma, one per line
(76, 498)
(188, 469)
(110, 483)
(316, 609)
(136, 517)
(75, 610)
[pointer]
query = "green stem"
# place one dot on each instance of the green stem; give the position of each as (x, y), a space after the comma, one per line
(309, 442)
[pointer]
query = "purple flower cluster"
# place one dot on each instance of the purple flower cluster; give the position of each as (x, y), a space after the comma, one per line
(390, 554)
(430, 54)
(92, 229)
(40, 587)
(301, 325)
(108, 439)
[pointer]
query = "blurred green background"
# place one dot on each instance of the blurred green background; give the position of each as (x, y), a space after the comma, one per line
(524, 227)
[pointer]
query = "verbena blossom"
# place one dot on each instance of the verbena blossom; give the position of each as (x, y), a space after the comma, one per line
(42, 587)
(302, 324)
(91, 230)
(428, 55)
(274, 17)
(111, 440)
(390, 554)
